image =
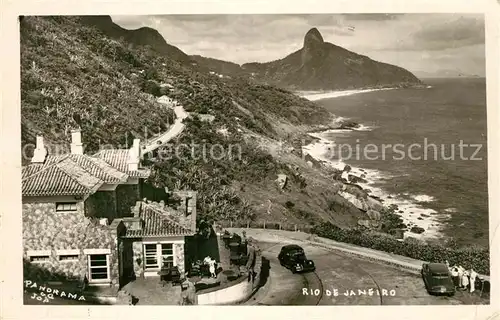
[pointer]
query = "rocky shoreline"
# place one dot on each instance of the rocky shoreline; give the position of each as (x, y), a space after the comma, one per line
(384, 212)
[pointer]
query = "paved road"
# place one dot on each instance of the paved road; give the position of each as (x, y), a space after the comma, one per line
(174, 131)
(337, 272)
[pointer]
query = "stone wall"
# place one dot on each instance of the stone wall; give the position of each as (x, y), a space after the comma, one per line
(179, 256)
(46, 229)
(138, 258)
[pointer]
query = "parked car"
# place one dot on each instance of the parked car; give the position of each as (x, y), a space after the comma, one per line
(437, 279)
(293, 257)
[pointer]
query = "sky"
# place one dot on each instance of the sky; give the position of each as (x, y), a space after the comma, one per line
(429, 45)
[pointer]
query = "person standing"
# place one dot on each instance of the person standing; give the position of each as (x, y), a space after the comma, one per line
(465, 280)
(473, 277)
(460, 276)
(454, 275)
(211, 265)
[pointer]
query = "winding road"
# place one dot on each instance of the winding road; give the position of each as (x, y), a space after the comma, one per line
(341, 279)
(173, 131)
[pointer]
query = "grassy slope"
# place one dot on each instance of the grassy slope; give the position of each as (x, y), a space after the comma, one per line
(72, 74)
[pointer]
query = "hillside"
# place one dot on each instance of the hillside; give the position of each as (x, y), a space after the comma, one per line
(219, 66)
(75, 74)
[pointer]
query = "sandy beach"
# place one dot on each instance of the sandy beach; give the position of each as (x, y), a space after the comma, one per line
(411, 211)
(319, 95)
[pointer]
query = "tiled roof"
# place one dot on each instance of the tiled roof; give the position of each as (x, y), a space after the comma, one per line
(63, 177)
(118, 158)
(156, 224)
(69, 174)
(95, 166)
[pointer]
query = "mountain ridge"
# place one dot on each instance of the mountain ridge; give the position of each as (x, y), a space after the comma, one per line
(318, 65)
(143, 36)
(321, 65)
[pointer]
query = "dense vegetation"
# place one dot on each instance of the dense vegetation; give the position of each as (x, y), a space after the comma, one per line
(468, 257)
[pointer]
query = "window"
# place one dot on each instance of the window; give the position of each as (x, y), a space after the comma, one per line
(167, 255)
(158, 255)
(66, 206)
(39, 255)
(150, 256)
(68, 257)
(98, 267)
(40, 258)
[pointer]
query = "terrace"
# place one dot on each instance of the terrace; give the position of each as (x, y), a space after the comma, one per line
(230, 254)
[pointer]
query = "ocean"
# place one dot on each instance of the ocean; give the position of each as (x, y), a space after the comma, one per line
(443, 191)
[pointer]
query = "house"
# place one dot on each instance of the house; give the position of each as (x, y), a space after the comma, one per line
(84, 222)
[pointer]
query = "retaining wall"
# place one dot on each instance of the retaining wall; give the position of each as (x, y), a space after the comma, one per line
(229, 295)
(241, 291)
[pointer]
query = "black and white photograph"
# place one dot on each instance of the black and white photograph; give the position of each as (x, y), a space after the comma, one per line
(305, 159)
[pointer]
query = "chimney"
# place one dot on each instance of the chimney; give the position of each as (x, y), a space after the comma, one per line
(76, 142)
(134, 155)
(40, 152)
(188, 202)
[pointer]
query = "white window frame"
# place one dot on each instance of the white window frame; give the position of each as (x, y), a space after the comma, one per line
(39, 253)
(155, 256)
(158, 254)
(46, 259)
(68, 204)
(68, 252)
(108, 271)
(163, 256)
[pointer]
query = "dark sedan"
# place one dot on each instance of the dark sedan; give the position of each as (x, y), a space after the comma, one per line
(437, 279)
(293, 257)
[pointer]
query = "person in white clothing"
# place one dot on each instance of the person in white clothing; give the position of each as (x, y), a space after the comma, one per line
(211, 266)
(460, 276)
(473, 276)
(465, 279)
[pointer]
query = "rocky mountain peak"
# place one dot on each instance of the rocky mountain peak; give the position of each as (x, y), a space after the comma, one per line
(313, 37)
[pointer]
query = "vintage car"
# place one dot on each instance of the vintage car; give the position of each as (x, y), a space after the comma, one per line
(293, 257)
(437, 279)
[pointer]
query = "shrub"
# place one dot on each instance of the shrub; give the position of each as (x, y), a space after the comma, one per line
(468, 257)
(289, 204)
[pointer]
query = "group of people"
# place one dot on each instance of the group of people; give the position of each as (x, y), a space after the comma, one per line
(463, 278)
